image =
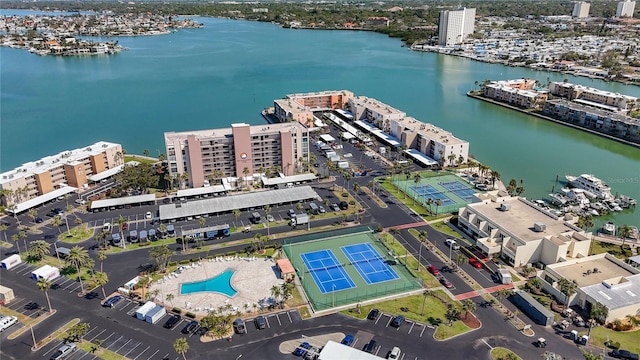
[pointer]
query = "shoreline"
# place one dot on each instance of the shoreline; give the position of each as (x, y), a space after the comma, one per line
(532, 113)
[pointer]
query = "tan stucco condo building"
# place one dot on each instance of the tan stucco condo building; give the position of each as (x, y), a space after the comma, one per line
(232, 150)
(521, 232)
(300, 107)
(58, 174)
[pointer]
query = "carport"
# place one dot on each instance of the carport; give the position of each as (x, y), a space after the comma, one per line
(128, 200)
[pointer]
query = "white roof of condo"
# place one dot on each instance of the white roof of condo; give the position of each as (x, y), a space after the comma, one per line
(594, 90)
(65, 157)
(38, 200)
(288, 179)
(376, 105)
(431, 131)
(332, 350)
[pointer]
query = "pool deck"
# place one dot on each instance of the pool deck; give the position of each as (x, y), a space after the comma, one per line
(252, 279)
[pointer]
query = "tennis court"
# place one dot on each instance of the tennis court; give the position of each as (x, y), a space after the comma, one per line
(331, 276)
(461, 190)
(369, 264)
(327, 271)
(428, 191)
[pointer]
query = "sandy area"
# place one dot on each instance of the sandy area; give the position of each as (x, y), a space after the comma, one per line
(252, 279)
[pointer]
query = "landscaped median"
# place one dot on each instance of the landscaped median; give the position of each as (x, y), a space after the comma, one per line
(430, 308)
(500, 353)
(26, 321)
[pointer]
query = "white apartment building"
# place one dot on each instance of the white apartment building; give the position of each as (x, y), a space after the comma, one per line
(584, 95)
(581, 9)
(37, 182)
(455, 25)
(521, 232)
(300, 107)
(600, 278)
(625, 9)
(518, 92)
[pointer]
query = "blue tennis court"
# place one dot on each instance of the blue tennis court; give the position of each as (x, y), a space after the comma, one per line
(461, 190)
(327, 272)
(428, 191)
(369, 264)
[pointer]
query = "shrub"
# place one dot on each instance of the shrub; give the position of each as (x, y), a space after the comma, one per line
(344, 194)
(172, 263)
(176, 310)
(185, 261)
(615, 345)
(352, 202)
(190, 315)
(231, 253)
(142, 244)
(378, 228)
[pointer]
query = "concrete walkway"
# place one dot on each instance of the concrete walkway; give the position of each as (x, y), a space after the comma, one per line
(474, 293)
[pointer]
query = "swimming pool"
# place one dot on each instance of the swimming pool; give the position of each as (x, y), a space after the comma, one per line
(219, 284)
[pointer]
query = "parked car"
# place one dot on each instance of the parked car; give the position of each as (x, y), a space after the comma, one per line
(434, 270)
(348, 340)
(270, 218)
(172, 321)
(373, 314)
(125, 226)
(190, 327)
(397, 321)
(7, 322)
(446, 283)
(63, 351)
(291, 213)
(475, 263)
(302, 349)
(624, 354)
(148, 215)
(370, 347)
(312, 353)
(343, 205)
(335, 207)
(239, 326)
(452, 244)
(260, 322)
(39, 220)
(321, 209)
(394, 353)
(112, 301)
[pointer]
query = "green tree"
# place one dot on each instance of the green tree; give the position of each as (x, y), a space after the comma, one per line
(101, 279)
(57, 222)
(236, 214)
(424, 300)
(16, 238)
(568, 288)
(502, 294)
(585, 222)
(78, 257)
(102, 256)
(33, 213)
(276, 293)
(588, 355)
(77, 331)
(599, 312)
(143, 284)
(160, 256)
(38, 249)
(452, 314)
(44, 285)
(469, 306)
(169, 298)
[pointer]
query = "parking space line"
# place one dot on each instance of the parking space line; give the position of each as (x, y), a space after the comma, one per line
(164, 357)
(75, 288)
(289, 315)
(16, 303)
(125, 344)
(266, 319)
(68, 286)
(53, 348)
(411, 328)
(279, 322)
(107, 348)
(389, 322)
(107, 338)
(152, 355)
(100, 333)
(142, 352)
(177, 325)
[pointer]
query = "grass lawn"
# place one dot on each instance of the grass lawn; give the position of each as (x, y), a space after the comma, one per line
(428, 280)
(628, 339)
(499, 353)
(296, 299)
(385, 182)
(434, 312)
(76, 235)
(445, 229)
(59, 334)
(599, 247)
(142, 160)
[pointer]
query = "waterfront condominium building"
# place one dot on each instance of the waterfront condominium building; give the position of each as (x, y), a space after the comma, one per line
(625, 9)
(432, 141)
(238, 151)
(520, 92)
(605, 100)
(520, 231)
(581, 9)
(455, 25)
(300, 107)
(57, 175)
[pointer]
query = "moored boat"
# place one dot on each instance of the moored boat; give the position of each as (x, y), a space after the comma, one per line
(590, 184)
(609, 228)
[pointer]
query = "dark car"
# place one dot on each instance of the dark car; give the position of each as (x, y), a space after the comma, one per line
(624, 354)
(172, 321)
(370, 347)
(260, 322)
(348, 340)
(49, 237)
(373, 314)
(112, 301)
(239, 327)
(343, 205)
(397, 321)
(302, 349)
(190, 327)
(39, 220)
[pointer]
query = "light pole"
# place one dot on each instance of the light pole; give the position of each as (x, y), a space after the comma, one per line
(450, 247)
(420, 257)
(333, 295)
(55, 246)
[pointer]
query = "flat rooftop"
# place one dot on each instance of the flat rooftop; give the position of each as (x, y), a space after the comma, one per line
(520, 219)
(430, 131)
(376, 105)
(170, 137)
(577, 270)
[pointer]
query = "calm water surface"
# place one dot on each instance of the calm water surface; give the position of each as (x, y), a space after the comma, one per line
(229, 71)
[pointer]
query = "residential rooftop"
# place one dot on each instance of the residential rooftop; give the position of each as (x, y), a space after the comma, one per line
(171, 136)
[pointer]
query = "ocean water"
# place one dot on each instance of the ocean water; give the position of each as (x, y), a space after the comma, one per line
(228, 71)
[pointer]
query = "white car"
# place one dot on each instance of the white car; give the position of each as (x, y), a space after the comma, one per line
(452, 244)
(394, 353)
(80, 201)
(64, 351)
(7, 321)
(148, 215)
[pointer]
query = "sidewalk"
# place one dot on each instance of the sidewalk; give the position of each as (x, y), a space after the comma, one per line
(475, 293)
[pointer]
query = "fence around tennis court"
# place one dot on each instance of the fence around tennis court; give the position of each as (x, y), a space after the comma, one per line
(406, 186)
(333, 240)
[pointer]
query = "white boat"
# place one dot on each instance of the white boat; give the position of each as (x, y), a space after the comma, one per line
(558, 199)
(609, 228)
(591, 184)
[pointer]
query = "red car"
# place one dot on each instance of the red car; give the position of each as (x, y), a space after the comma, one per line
(434, 270)
(446, 283)
(475, 263)
(124, 226)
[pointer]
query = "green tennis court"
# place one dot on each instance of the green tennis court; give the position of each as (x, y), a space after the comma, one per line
(452, 191)
(340, 247)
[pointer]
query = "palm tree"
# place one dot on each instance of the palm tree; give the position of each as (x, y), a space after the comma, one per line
(585, 222)
(102, 256)
(625, 232)
(469, 306)
(495, 177)
(588, 355)
(451, 158)
(56, 222)
(44, 285)
(236, 213)
(276, 292)
(416, 180)
(3, 228)
(599, 312)
(33, 213)
(143, 284)
(39, 248)
(430, 202)
(181, 346)
(438, 204)
(101, 280)
(452, 314)
(169, 298)
(422, 237)
(16, 238)
(78, 257)
(502, 294)
(568, 288)
(424, 299)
